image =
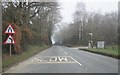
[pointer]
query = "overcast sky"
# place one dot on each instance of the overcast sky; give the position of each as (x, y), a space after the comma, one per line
(68, 7)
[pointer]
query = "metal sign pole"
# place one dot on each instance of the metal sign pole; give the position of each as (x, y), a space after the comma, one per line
(10, 50)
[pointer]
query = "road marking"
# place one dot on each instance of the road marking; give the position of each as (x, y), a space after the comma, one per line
(69, 62)
(58, 59)
(53, 59)
(76, 61)
(38, 59)
(35, 58)
(86, 69)
(62, 59)
(65, 52)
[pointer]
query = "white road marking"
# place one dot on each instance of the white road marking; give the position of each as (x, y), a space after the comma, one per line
(38, 59)
(62, 59)
(76, 61)
(53, 59)
(65, 52)
(73, 59)
(55, 62)
(86, 69)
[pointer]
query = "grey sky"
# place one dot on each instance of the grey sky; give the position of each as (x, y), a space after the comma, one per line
(68, 7)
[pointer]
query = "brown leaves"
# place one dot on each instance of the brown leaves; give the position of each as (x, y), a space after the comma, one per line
(17, 37)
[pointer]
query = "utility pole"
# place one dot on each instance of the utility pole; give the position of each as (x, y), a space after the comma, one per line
(81, 31)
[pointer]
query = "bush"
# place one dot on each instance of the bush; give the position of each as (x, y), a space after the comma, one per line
(26, 38)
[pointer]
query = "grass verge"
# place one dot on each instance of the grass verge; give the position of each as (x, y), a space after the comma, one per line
(14, 59)
(109, 51)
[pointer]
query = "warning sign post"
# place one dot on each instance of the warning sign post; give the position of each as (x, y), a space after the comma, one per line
(9, 30)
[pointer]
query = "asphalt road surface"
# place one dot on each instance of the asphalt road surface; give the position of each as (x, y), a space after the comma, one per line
(61, 59)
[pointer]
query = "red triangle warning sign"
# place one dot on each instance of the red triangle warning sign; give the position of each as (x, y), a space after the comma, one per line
(9, 40)
(9, 30)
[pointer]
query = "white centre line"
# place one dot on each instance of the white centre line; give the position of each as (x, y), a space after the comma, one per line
(65, 52)
(74, 59)
(86, 69)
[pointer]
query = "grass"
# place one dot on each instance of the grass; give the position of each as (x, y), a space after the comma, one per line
(111, 51)
(14, 59)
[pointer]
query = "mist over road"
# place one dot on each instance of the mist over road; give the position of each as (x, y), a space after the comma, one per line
(62, 59)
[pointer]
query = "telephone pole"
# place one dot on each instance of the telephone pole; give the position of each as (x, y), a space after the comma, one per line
(81, 31)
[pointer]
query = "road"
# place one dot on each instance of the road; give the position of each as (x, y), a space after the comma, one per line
(61, 59)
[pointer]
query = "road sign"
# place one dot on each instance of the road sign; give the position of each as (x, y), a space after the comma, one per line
(9, 30)
(101, 44)
(9, 40)
(90, 44)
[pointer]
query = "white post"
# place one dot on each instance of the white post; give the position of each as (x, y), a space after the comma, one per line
(10, 50)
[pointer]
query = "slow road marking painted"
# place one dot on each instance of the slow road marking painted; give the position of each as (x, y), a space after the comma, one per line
(53, 59)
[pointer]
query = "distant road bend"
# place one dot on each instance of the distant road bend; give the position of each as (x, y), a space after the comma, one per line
(62, 59)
